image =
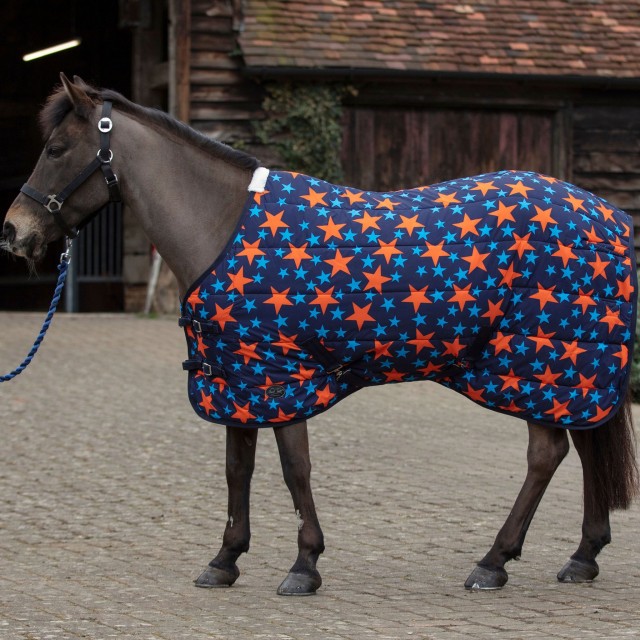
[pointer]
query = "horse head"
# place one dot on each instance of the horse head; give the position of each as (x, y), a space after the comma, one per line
(70, 124)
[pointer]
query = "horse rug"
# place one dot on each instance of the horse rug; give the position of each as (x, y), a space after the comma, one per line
(513, 288)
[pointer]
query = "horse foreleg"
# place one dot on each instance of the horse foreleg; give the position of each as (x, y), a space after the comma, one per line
(547, 448)
(293, 446)
(241, 453)
(596, 532)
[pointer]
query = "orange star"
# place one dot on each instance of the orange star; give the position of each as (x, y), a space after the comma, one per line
(242, 413)
(194, 298)
(422, 341)
(623, 354)
(386, 204)
(474, 394)
(387, 249)
(586, 384)
(559, 409)
(417, 297)
(286, 343)
(484, 187)
(508, 275)
(519, 189)
(324, 396)
(494, 311)
(251, 250)
(368, 221)
(248, 351)
(575, 203)
(315, 198)
(435, 252)
(521, 244)
(375, 280)
(279, 299)
(353, 197)
(257, 196)
(599, 266)
(274, 222)
(410, 224)
(571, 351)
(548, 377)
(381, 349)
(324, 298)
(202, 347)
(331, 229)
(512, 407)
(298, 254)
(461, 295)
(303, 374)
(542, 339)
(468, 226)
(511, 381)
(564, 252)
(543, 216)
(592, 237)
(361, 314)
(606, 213)
(223, 315)
(446, 200)
(617, 245)
(600, 414)
(585, 300)
(476, 260)
(339, 263)
(282, 416)
(394, 376)
(207, 403)
(430, 368)
(502, 342)
(612, 319)
(238, 281)
(544, 295)
(503, 213)
(625, 288)
(453, 348)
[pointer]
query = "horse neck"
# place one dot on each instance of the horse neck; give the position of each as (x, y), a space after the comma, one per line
(187, 201)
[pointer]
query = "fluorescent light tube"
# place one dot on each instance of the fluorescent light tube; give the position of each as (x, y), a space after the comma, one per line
(49, 50)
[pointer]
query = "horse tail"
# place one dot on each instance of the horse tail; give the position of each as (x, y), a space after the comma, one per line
(609, 461)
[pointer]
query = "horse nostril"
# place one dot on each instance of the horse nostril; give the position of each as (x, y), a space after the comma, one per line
(9, 232)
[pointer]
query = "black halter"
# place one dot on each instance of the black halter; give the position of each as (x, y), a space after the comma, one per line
(53, 203)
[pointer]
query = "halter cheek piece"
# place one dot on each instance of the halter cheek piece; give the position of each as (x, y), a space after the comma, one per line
(53, 203)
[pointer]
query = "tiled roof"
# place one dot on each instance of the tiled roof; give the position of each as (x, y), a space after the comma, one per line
(554, 37)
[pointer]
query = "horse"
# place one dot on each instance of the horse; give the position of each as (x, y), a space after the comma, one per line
(188, 193)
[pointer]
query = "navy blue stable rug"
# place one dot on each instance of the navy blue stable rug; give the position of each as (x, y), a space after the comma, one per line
(513, 288)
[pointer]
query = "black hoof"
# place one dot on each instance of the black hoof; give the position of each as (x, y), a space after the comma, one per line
(579, 571)
(483, 578)
(213, 577)
(300, 584)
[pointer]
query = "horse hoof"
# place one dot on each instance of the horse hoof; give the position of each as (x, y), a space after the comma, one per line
(300, 584)
(485, 579)
(213, 577)
(579, 571)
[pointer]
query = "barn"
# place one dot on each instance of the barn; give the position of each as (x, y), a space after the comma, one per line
(376, 94)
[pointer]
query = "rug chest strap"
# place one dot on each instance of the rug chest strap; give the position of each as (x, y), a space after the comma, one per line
(199, 326)
(209, 369)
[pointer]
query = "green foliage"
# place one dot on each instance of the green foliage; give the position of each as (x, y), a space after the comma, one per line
(304, 123)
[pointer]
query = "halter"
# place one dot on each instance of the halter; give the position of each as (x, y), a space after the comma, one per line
(53, 203)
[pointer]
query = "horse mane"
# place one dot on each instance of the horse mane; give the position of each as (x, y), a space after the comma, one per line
(58, 105)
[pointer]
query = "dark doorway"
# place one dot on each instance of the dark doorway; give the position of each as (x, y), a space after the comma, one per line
(103, 58)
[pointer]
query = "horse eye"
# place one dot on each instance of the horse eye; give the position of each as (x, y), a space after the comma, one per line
(54, 152)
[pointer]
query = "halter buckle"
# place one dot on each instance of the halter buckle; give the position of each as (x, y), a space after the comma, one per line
(53, 205)
(105, 125)
(207, 370)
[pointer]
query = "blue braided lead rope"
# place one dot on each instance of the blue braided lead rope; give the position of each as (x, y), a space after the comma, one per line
(63, 267)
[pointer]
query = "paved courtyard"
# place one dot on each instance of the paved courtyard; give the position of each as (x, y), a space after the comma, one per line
(113, 498)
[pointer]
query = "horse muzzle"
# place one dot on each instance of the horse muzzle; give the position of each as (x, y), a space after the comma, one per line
(21, 238)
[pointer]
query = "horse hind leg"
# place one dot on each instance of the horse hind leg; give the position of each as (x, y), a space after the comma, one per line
(241, 452)
(293, 446)
(547, 448)
(610, 479)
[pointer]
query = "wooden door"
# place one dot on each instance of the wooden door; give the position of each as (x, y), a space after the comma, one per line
(386, 149)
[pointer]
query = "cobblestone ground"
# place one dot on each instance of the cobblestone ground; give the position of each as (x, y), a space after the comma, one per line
(112, 499)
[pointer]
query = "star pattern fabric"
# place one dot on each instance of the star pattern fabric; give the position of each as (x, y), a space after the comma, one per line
(513, 288)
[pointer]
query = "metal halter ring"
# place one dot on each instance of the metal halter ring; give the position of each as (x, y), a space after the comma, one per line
(52, 205)
(105, 125)
(108, 160)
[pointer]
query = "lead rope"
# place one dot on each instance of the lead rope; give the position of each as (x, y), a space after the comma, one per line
(63, 267)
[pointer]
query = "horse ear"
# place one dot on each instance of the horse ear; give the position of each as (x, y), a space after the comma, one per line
(82, 103)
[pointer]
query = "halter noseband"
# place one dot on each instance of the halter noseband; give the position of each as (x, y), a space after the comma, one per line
(53, 203)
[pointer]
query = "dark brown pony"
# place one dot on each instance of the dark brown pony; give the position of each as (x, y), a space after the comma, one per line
(188, 191)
